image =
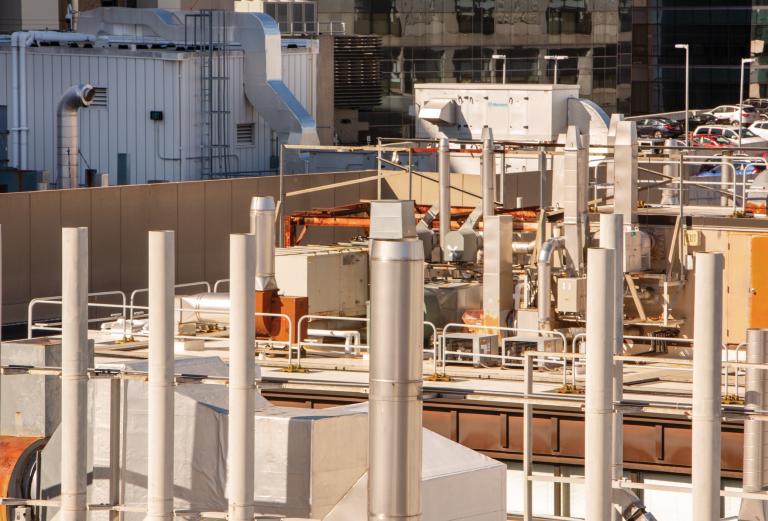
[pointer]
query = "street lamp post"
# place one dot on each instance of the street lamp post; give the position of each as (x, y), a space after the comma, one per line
(502, 57)
(555, 58)
(687, 49)
(744, 61)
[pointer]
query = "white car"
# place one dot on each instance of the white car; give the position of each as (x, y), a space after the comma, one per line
(760, 128)
(748, 138)
(729, 114)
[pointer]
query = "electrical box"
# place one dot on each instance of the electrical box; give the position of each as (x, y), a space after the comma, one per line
(637, 251)
(156, 115)
(472, 348)
(572, 295)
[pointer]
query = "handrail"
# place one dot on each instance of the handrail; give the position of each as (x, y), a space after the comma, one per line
(56, 300)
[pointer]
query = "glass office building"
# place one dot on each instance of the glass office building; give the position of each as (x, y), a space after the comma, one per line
(455, 41)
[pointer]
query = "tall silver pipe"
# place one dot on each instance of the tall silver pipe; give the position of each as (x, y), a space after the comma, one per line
(707, 393)
(74, 366)
(755, 435)
(601, 275)
(263, 227)
(612, 238)
(161, 376)
(68, 135)
(444, 181)
(544, 291)
(242, 374)
(488, 173)
(395, 399)
(575, 186)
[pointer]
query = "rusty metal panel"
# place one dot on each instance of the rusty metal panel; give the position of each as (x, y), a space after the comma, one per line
(758, 302)
(542, 434)
(677, 446)
(572, 437)
(12, 450)
(641, 443)
(479, 431)
(438, 421)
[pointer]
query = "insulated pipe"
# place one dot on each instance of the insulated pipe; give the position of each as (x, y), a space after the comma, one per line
(23, 130)
(488, 174)
(707, 393)
(612, 238)
(67, 133)
(242, 375)
(444, 181)
(263, 227)
(755, 435)
(74, 366)
(544, 302)
(395, 399)
(161, 376)
(601, 277)
(15, 81)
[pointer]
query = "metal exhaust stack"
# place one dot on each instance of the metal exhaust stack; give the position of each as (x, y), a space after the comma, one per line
(599, 391)
(395, 396)
(74, 366)
(444, 181)
(242, 373)
(68, 135)
(612, 238)
(263, 227)
(488, 173)
(576, 183)
(707, 393)
(625, 172)
(755, 435)
(161, 376)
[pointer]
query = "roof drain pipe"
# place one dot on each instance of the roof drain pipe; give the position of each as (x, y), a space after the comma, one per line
(755, 435)
(395, 395)
(707, 391)
(68, 135)
(544, 303)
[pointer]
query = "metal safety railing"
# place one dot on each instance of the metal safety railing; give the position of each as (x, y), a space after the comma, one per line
(56, 301)
(504, 359)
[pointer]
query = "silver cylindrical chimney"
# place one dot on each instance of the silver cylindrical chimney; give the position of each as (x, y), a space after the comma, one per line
(601, 275)
(444, 180)
(242, 375)
(263, 227)
(707, 393)
(755, 435)
(395, 399)
(160, 410)
(612, 238)
(67, 133)
(74, 378)
(488, 173)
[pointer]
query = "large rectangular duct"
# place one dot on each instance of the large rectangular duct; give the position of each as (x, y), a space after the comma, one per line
(625, 171)
(498, 276)
(755, 431)
(576, 180)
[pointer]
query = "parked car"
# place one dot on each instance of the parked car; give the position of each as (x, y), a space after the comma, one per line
(760, 128)
(748, 138)
(659, 128)
(703, 118)
(729, 114)
(710, 141)
(761, 104)
(742, 167)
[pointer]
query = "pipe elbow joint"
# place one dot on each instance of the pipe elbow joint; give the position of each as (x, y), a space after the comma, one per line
(76, 97)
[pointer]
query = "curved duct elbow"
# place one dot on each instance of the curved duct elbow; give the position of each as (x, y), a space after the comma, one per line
(67, 133)
(544, 304)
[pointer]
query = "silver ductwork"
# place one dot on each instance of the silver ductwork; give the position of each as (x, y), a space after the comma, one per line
(259, 37)
(488, 173)
(68, 133)
(576, 181)
(625, 172)
(544, 291)
(263, 227)
(755, 431)
(444, 181)
(395, 395)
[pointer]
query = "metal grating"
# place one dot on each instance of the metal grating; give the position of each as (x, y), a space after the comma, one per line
(357, 71)
(100, 97)
(245, 133)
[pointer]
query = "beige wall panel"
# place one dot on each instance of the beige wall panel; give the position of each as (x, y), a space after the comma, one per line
(737, 282)
(106, 247)
(44, 246)
(14, 216)
(242, 192)
(75, 208)
(218, 199)
(163, 206)
(134, 215)
(190, 234)
(368, 188)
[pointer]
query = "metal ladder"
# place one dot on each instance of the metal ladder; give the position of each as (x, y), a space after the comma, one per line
(210, 40)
